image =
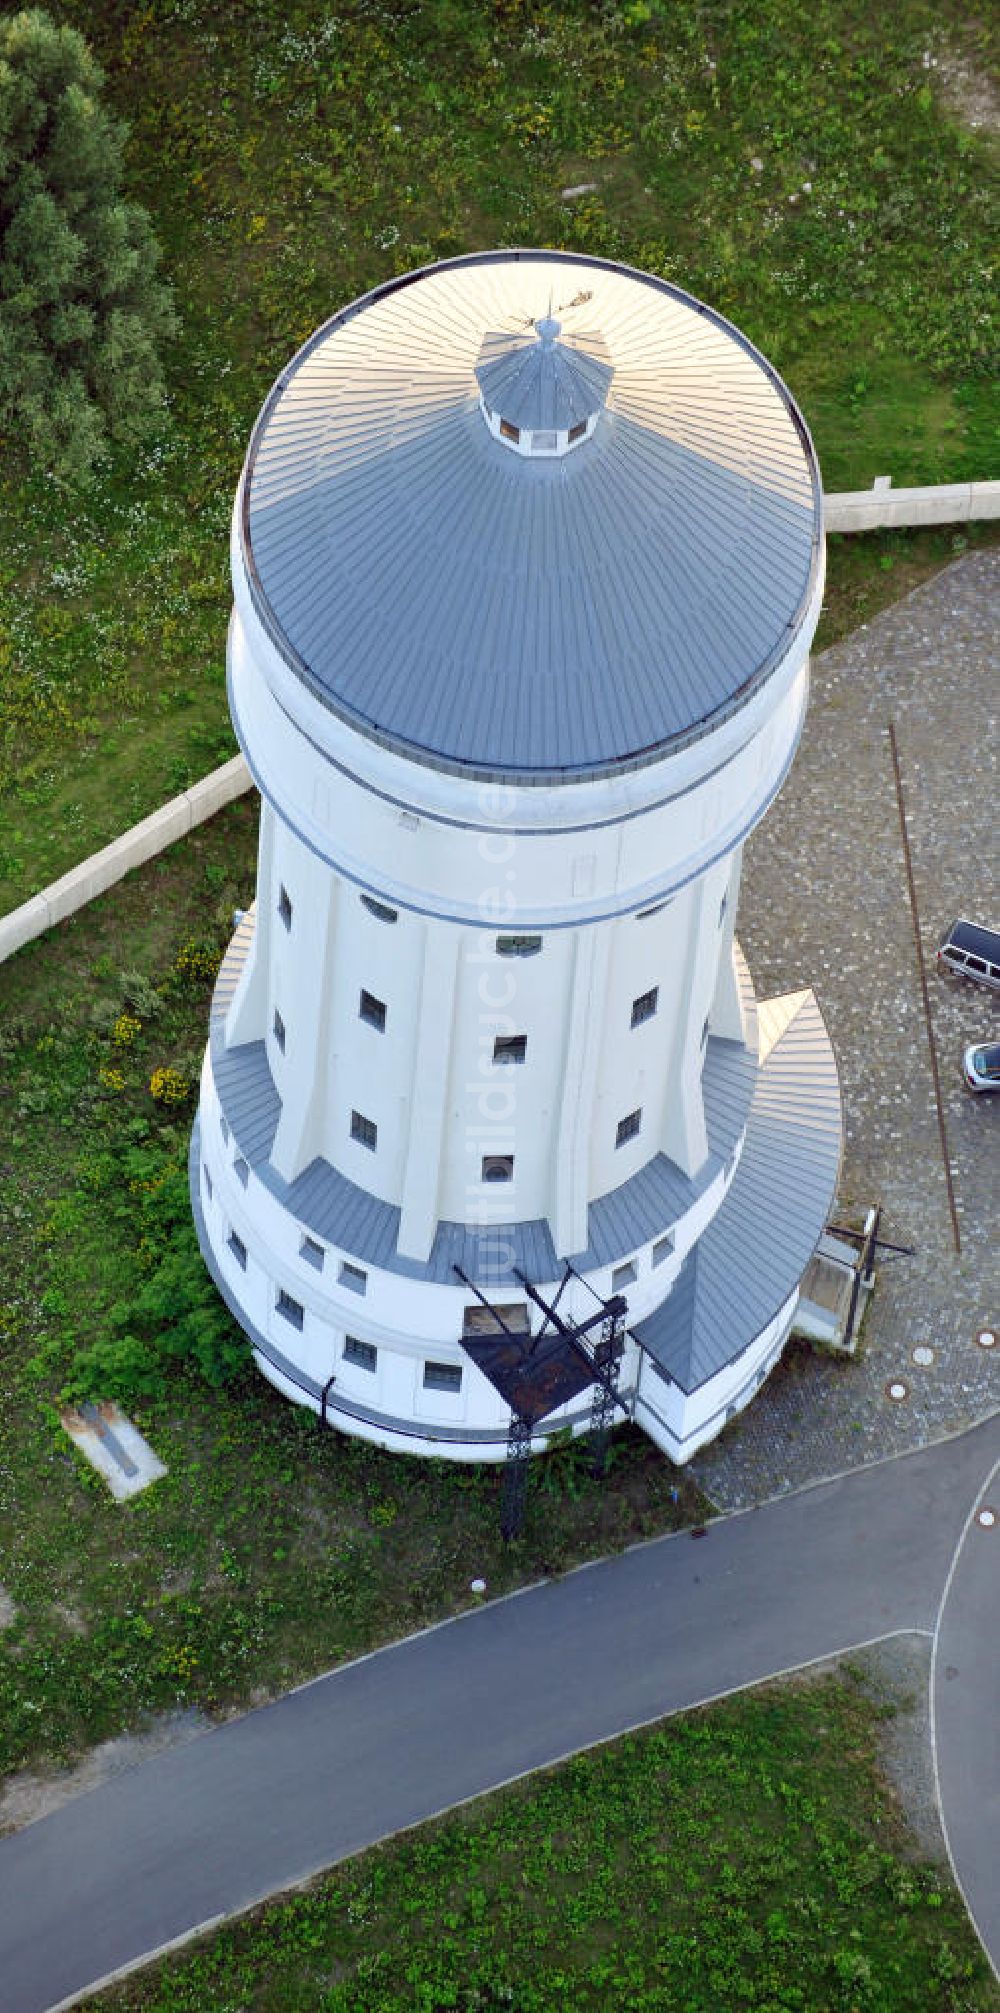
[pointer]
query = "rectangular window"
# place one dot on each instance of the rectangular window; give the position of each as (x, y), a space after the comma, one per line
(510, 1047)
(312, 1252)
(518, 947)
(372, 1010)
(291, 1310)
(704, 1033)
(645, 1006)
(622, 1276)
(364, 1130)
(663, 1249)
(207, 1180)
(224, 1127)
(241, 1170)
(723, 906)
(628, 1127)
(379, 909)
(544, 441)
(285, 908)
(509, 431)
(442, 1377)
(279, 1030)
(363, 1355)
(238, 1249)
(480, 1320)
(498, 1167)
(577, 432)
(352, 1276)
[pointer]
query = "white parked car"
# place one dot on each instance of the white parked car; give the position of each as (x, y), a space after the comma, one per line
(981, 1064)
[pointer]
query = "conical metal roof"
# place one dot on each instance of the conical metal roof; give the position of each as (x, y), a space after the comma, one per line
(521, 616)
(544, 380)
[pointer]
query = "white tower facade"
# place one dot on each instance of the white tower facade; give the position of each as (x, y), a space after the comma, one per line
(527, 560)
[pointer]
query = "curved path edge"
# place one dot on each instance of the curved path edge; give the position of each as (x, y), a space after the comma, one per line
(965, 1715)
(258, 1805)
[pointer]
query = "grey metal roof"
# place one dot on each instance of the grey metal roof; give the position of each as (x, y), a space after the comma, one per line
(502, 615)
(340, 1212)
(541, 379)
(756, 1249)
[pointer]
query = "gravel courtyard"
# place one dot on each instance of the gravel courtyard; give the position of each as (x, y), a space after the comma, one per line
(825, 903)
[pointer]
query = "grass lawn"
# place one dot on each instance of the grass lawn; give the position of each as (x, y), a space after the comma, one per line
(744, 1857)
(272, 1549)
(805, 165)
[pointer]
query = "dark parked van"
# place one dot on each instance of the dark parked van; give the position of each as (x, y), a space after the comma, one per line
(972, 951)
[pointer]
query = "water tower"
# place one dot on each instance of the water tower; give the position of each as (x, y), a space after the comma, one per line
(527, 559)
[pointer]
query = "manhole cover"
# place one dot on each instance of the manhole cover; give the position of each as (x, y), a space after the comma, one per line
(986, 1517)
(923, 1354)
(987, 1338)
(897, 1390)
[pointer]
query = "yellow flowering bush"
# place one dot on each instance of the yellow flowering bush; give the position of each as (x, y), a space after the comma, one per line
(112, 1079)
(196, 963)
(168, 1086)
(125, 1030)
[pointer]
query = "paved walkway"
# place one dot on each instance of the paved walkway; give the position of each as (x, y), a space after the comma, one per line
(205, 1830)
(824, 903)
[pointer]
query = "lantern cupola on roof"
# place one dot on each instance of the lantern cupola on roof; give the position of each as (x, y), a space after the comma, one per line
(543, 394)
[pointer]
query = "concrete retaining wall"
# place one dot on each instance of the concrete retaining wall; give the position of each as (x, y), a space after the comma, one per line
(142, 842)
(883, 508)
(879, 508)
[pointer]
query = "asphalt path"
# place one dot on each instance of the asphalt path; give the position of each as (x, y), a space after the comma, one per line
(202, 1831)
(965, 1713)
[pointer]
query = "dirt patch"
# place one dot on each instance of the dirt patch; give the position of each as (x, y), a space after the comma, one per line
(27, 1797)
(71, 1618)
(8, 1608)
(969, 93)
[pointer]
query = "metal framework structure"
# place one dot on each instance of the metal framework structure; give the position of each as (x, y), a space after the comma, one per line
(537, 1373)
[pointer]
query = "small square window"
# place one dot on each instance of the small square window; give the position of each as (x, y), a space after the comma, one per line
(645, 1006)
(224, 1127)
(628, 1127)
(363, 1355)
(364, 1130)
(704, 1033)
(510, 1047)
(241, 1170)
(279, 1030)
(291, 1310)
(372, 1010)
(662, 1250)
(206, 1177)
(622, 1276)
(442, 1377)
(498, 1167)
(544, 440)
(353, 1277)
(509, 430)
(577, 432)
(238, 1249)
(312, 1252)
(379, 909)
(518, 947)
(285, 908)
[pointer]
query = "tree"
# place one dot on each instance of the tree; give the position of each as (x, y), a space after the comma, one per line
(82, 307)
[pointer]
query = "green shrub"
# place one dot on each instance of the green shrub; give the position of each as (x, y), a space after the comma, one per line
(82, 309)
(174, 1314)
